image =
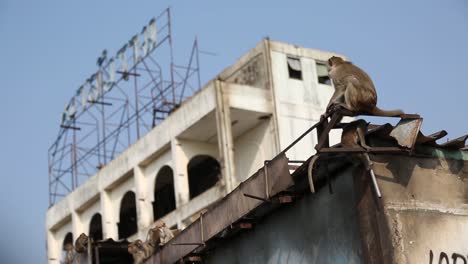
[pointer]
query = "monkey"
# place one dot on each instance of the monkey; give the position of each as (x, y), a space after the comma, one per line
(140, 251)
(70, 254)
(81, 243)
(354, 90)
(353, 136)
(134, 250)
(160, 234)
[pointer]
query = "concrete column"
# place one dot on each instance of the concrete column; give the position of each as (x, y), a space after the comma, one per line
(143, 201)
(180, 162)
(53, 249)
(77, 225)
(271, 86)
(225, 140)
(109, 221)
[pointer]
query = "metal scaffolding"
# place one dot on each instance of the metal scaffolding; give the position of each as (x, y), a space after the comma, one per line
(124, 99)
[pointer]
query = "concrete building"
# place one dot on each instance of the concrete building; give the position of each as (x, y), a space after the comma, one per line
(203, 150)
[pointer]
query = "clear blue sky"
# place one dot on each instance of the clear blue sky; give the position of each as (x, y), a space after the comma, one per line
(415, 51)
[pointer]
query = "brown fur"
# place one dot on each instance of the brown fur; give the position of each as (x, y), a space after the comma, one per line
(354, 89)
(140, 251)
(353, 136)
(81, 243)
(160, 234)
(70, 256)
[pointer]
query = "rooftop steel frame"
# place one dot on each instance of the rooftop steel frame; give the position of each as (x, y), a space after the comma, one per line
(124, 99)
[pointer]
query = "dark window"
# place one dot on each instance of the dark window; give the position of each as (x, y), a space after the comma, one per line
(95, 227)
(67, 241)
(203, 173)
(67, 247)
(294, 68)
(164, 197)
(322, 73)
(128, 216)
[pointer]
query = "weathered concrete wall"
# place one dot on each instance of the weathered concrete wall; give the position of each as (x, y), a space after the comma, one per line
(423, 216)
(319, 228)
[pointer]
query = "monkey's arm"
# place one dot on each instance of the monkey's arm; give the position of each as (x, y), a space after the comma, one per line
(337, 98)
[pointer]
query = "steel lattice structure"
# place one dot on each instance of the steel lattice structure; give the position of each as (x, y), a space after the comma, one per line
(124, 99)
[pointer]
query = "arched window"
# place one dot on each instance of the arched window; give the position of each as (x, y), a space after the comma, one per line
(67, 245)
(95, 227)
(68, 240)
(164, 197)
(203, 173)
(128, 216)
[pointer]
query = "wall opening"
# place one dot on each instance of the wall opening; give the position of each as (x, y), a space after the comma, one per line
(128, 216)
(164, 196)
(95, 227)
(294, 68)
(322, 73)
(67, 246)
(203, 173)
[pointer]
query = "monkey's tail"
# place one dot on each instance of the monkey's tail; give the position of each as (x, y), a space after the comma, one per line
(390, 113)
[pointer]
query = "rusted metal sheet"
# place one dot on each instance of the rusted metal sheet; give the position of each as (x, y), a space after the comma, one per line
(406, 132)
(382, 131)
(431, 139)
(457, 143)
(181, 245)
(264, 184)
(278, 174)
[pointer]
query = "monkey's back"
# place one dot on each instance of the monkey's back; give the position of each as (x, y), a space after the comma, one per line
(361, 95)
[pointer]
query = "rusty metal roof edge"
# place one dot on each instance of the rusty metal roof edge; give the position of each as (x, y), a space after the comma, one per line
(272, 178)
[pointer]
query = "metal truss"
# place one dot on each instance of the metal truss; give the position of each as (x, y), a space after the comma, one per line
(123, 100)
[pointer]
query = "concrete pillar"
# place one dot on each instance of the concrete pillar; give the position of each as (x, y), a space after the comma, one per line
(109, 221)
(143, 201)
(180, 161)
(53, 249)
(225, 140)
(77, 225)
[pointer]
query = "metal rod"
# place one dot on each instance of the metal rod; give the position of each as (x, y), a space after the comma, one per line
(136, 104)
(385, 150)
(257, 198)
(304, 134)
(187, 244)
(267, 187)
(374, 182)
(128, 73)
(70, 127)
(98, 102)
(323, 137)
(171, 54)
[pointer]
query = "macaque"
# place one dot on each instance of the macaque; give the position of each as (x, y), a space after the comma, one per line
(70, 254)
(81, 243)
(353, 136)
(354, 90)
(160, 234)
(138, 255)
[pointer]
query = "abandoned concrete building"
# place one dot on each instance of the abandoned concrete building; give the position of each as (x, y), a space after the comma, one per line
(203, 150)
(243, 169)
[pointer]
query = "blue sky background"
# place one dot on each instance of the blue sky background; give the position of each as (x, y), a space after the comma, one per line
(415, 51)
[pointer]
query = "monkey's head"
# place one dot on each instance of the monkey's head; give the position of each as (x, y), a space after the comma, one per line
(132, 248)
(160, 223)
(335, 61)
